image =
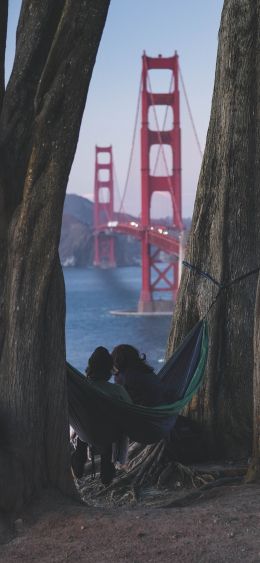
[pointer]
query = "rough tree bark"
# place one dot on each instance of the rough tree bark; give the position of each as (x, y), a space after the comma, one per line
(39, 125)
(253, 473)
(225, 236)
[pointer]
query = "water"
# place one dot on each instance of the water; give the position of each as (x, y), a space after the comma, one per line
(90, 296)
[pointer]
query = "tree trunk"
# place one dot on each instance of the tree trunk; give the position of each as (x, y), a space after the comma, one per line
(3, 31)
(225, 237)
(39, 126)
(256, 441)
(254, 468)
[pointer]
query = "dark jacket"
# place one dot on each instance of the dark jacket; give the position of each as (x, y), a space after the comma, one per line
(144, 387)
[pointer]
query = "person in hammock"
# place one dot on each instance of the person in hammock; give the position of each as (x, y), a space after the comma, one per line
(136, 376)
(98, 372)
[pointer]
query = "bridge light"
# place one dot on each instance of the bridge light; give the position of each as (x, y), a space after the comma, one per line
(112, 223)
(165, 232)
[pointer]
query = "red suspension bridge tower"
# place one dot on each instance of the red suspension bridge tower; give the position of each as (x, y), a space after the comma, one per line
(157, 276)
(160, 272)
(104, 250)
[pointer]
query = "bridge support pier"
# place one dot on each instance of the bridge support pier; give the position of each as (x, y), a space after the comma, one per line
(155, 306)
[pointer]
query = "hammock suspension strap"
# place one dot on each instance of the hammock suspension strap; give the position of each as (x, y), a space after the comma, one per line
(220, 285)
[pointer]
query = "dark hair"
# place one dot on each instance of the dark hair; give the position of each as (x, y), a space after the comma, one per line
(127, 357)
(100, 364)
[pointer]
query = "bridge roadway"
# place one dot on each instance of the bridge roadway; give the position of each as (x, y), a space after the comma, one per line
(156, 235)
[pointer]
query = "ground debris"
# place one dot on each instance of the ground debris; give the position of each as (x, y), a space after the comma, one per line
(224, 528)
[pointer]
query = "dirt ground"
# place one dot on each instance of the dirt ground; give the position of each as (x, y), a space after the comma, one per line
(217, 525)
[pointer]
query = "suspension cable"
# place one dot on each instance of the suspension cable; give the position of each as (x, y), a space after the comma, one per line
(132, 148)
(190, 114)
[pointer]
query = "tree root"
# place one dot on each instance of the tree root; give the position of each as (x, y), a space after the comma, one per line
(253, 472)
(151, 467)
(7, 532)
(126, 486)
(203, 493)
(134, 449)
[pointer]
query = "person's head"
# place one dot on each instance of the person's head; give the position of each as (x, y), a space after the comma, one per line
(126, 357)
(100, 364)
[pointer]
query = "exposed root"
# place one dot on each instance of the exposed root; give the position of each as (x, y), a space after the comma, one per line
(253, 472)
(203, 493)
(148, 468)
(165, 476)
(134, 449)
(7, 531)
(139, 458)
(200, 480)
(152, 470)
(129, 497)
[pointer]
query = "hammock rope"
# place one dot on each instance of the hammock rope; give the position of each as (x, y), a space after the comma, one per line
(220, 285)
(216, 282)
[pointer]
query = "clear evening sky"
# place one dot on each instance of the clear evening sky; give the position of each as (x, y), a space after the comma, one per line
(189, 27)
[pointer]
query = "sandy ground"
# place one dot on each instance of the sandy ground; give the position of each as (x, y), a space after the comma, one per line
(219, 525)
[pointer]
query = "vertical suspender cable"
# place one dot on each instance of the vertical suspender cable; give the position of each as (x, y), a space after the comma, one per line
(190, 114)
(132, 149)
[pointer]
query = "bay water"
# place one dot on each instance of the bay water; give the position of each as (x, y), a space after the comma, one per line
(91, 295)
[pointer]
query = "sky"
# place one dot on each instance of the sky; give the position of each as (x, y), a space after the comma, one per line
(189, 27)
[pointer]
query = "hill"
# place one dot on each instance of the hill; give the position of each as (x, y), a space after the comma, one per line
(76, 244)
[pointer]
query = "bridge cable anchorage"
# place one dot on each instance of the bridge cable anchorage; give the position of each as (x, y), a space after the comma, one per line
(190, 115)
(163, 128)
(132, 148)
(171, 189)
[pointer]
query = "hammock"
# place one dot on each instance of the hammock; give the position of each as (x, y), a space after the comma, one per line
(100, 419)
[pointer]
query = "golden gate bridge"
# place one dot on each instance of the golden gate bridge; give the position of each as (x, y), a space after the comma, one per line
(158, 276)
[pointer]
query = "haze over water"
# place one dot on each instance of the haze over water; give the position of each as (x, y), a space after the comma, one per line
(90, 296)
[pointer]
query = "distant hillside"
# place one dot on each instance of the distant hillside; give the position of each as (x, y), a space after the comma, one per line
(80, 208)
(76, 244)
